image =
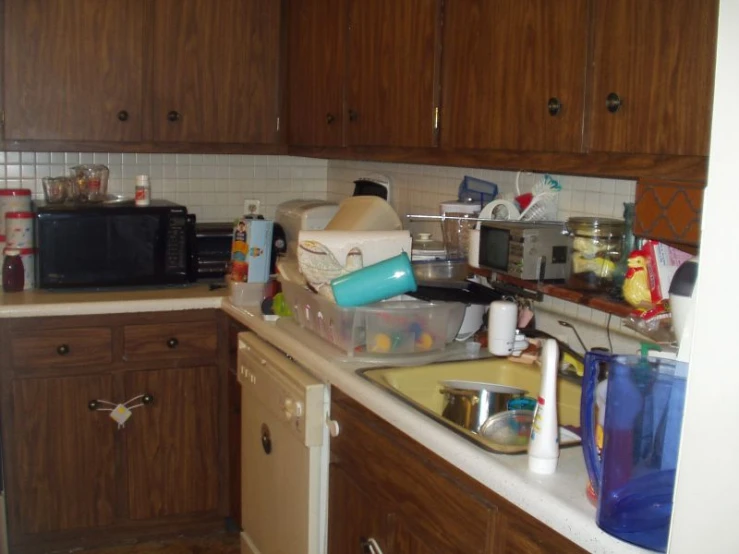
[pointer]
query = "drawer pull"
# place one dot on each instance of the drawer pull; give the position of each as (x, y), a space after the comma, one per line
(93, 405)
(147, 399)
(369, 546)
(62, 349)
(173, 342)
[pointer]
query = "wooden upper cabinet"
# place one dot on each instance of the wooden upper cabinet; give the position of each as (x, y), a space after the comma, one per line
(317, 59)
(73, 69)
(653, 66)
(392, 89)
(215, 71)
(514, 74)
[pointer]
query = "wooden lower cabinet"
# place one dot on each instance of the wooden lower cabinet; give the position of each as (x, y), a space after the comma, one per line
(172, 443)
(74, 477)
(388, 493)
(62, 455)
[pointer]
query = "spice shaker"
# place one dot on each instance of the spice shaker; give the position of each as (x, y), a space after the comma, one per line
(143, 190)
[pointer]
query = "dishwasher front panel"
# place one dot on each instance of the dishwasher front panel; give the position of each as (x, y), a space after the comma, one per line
(283, 497)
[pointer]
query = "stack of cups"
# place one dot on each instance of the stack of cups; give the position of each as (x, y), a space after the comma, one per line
(16, 229)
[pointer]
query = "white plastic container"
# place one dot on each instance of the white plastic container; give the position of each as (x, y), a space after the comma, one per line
(13, 200)
(143, 190)
(19, 230)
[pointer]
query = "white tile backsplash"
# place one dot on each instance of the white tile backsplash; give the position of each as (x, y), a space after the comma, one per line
(212, 187)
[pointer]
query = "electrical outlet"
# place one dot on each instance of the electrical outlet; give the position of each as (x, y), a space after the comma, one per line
(251, 207)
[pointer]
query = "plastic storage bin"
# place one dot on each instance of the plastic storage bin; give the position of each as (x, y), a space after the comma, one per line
(385, 328)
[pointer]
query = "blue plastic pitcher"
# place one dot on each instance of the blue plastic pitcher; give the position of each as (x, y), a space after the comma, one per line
(634, 477)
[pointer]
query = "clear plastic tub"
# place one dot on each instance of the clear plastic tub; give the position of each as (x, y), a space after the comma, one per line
(382, 329)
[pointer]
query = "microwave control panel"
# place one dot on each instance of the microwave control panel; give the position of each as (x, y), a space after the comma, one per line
(176, 255)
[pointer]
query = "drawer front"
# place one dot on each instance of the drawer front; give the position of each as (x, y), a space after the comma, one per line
(170, 341)
(62, 347)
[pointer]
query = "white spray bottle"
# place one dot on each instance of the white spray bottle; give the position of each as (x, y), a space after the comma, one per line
(505, 340)
(544, 441)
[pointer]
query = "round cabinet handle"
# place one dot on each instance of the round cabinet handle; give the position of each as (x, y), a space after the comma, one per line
(330, 118)
(147, 399)
(123, 115)
(92, 405)
(554, 106)
(173, 342)
(266, 439)
(62, 349)
(353, 115)
(613, 102)
(173, 116)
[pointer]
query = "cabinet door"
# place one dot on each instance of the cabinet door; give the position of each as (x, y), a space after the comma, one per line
(655, 60)
(514, 74)
(316, 35)
(172, 443)
(214, 71)
(73, 70)
(392, 72)
(354, 517)
(62, 462)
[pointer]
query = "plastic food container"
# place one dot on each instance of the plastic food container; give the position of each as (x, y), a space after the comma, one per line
(385, 328)
(595, 250)
(456, 229)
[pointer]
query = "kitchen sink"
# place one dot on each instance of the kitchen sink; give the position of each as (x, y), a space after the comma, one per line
(420, 388)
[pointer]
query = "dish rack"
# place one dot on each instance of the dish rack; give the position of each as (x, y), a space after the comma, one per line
(387, 328)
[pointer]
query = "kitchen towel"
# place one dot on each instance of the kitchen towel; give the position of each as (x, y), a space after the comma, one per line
(325, 255)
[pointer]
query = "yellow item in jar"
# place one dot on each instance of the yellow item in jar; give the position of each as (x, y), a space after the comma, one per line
(382, 343)
(602, 267)
(589, 247)
(424, 342)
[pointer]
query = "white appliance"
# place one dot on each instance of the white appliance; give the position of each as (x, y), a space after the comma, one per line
(296, 215)
(284, 453)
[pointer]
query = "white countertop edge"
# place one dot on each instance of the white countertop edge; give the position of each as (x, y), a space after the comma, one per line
(558, 500)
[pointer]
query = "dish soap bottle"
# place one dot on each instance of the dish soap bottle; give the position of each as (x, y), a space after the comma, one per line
(544, 441)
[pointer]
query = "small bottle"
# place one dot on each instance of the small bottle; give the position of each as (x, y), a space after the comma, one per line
(143, 190)
(13, 274)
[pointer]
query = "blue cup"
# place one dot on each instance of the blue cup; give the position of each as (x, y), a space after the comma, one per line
(375, 282)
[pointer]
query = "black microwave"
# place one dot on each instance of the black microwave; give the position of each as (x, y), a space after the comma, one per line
(114, 245)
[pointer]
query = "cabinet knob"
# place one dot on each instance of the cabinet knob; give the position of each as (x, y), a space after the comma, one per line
(369, 546)
(123, 115)
(554, 106)
(173, 342)
(330, 118)
(266, 439)
(147, 399)
(173, 116)
(62, 349)
(613, 102)
(353, 115)
(92, 405)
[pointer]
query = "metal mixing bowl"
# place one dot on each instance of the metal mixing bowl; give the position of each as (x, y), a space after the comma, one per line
(469, 404)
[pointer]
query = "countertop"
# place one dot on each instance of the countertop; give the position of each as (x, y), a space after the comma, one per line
(558, 500)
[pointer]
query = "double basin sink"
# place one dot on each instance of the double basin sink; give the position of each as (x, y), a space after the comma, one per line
(420, 388)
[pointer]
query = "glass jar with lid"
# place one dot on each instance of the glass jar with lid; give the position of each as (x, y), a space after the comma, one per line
(595, 249)
(456, 225)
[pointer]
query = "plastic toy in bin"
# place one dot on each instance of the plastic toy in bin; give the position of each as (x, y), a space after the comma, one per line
(404, 327)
